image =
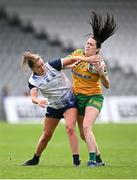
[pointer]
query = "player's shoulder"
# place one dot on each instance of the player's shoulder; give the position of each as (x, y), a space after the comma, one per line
(78, 52)
(33, 77)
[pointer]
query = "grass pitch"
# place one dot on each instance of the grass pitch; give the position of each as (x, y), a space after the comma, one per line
(117, 142)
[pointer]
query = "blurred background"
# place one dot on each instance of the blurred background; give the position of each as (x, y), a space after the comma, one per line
(53, 29)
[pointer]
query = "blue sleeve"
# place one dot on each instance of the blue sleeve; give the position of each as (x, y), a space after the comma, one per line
(56, 64)
(31, 86)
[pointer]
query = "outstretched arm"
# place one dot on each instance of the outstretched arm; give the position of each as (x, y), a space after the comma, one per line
(69, 61)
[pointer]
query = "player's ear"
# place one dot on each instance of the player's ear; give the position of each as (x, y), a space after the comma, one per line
(97, 50)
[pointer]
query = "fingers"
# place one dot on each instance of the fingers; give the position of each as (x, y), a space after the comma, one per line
(95, 58)
(43, 103)
(74, 64)
(100, 67)
(99, 64)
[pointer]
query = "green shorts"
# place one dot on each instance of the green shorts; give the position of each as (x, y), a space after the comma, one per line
(86, 100)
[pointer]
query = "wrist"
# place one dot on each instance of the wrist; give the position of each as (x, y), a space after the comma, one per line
(35, 101)
(102, 74)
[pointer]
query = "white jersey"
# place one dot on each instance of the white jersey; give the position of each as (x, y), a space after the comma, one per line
(54, 86)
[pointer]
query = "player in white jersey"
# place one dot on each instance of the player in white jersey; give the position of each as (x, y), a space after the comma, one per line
(54, 86)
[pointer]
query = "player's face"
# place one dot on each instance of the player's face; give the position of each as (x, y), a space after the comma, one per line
(39, 67)
(90, 47)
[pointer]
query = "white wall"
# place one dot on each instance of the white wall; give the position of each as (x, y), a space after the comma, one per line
(116, 109)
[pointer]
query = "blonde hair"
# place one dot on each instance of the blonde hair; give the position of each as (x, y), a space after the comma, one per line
(28, 60)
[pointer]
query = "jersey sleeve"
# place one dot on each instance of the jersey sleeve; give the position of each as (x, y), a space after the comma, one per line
(56, 64)
(31, 86)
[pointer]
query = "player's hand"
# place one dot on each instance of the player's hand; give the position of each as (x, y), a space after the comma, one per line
(70, 66)
(43, 103)
(94, 59)
(76, 63)
(100, 67)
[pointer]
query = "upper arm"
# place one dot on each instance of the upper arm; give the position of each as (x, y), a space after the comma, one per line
(33, 90)
(56, 64)
(62, 63)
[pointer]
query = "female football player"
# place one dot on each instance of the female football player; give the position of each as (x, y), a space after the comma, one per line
(87, 80)
(54, 86)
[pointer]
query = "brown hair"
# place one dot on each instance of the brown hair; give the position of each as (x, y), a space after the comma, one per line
(28, 60)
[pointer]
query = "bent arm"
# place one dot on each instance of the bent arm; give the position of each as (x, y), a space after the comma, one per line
(105, 80)
(34, 97)
(102, 71)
